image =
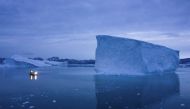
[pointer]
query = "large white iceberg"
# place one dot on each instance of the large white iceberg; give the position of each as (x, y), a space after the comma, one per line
(128, 56)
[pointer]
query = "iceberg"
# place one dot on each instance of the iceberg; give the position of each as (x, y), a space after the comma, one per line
(116, 55)
(37, 63)
(30, 61)
(11, 63)
(22, 61)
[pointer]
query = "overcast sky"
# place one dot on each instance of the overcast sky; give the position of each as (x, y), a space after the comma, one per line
(67, 28)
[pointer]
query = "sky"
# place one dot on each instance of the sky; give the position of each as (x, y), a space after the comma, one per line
(68, 28)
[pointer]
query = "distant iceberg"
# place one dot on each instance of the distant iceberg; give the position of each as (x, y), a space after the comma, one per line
(38, 63)
(21, 61)
(11, 63)
(128, 56)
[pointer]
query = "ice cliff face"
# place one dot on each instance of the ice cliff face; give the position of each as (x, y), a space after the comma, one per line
(128, 56)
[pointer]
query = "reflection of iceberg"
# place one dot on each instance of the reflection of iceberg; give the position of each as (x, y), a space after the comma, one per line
(133, 92)
(122, 55)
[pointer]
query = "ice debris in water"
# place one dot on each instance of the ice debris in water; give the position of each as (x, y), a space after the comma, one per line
(138, 94)
(26, 102)
(31, 107)
(54, 101)
(182, 105)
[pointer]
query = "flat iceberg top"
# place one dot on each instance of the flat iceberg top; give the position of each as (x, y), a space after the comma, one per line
(129, 56)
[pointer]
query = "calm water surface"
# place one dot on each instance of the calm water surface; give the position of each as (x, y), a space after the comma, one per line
(82, 88)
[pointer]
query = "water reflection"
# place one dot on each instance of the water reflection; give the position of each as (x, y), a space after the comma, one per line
(74, 88)
(135, 92)
(33, 77)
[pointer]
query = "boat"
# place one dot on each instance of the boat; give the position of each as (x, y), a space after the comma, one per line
(33, 73)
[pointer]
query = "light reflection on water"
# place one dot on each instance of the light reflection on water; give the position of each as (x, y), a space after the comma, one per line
(81, 88)
(33, 77)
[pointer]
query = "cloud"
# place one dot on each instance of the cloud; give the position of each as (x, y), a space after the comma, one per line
(66, 23)
(30, 18)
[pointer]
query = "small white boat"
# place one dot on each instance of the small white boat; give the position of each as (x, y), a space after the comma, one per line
(33, 73)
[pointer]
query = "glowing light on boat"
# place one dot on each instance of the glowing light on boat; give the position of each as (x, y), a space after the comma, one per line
(33, 75)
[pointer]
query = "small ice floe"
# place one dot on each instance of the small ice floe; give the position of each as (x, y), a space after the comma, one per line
(182, 105)
(26, 102)
(138, 94)
(54, 101)
(31, 107)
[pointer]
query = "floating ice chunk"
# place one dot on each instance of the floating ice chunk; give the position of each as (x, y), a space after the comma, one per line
(138, 94)
(182, 105)
(31, 107)
(128, 56)
(54, 101)
(26, 102)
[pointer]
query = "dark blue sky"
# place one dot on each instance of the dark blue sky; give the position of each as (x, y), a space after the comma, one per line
(67, 28)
